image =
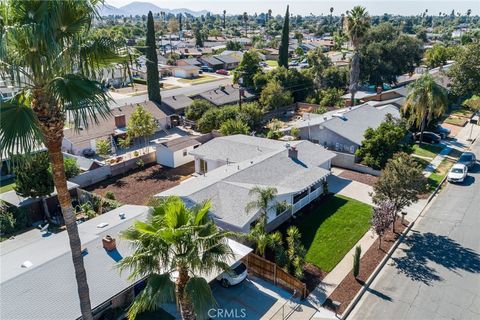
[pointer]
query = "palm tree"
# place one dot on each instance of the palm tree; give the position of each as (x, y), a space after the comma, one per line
(45, 45)
(331, 13)
(425, 100)
(173, 247)
(224, 13)
(261, 203)
(356, 26)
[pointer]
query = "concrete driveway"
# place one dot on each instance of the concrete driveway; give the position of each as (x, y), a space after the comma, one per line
(349, 188)
(254, 297)
(435, 272)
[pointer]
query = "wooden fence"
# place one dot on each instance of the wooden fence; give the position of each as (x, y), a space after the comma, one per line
(269, 271)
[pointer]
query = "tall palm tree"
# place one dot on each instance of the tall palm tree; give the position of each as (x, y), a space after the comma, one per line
(425, 100)
(356, 25)
(245, 20)
(173, 247)
(45, 47)
(264, 196)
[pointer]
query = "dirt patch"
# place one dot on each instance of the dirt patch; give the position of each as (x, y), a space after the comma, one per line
(139, 185)
(350, 286)
(360, 177)
(312, 276)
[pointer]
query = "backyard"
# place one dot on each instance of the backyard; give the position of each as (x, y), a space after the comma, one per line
(332, 228)
(138, 186)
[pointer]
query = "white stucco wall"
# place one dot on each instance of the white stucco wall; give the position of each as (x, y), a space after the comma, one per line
(175, 159)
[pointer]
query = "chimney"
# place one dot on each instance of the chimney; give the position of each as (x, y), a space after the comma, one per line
(379, 89)
(120, 121)
(293, 153)
(109, 243)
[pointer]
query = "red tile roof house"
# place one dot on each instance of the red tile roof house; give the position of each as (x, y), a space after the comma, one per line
(75, 141)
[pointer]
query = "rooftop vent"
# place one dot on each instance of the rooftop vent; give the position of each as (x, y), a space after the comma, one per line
(109, 243)
(120, 121)
(27, 264)
(293, 153)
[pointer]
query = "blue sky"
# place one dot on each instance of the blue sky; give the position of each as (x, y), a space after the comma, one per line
(317, 7)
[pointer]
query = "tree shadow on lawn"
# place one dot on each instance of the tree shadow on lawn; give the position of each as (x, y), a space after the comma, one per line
(424, 247)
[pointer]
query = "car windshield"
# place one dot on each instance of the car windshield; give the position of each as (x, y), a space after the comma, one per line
(457, 170)
(466, 157)
(239, 269)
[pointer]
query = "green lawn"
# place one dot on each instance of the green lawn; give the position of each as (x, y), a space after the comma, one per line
(456, 121)
(272, 63)
(427, 150)
(462, 113)
(440, 172)
(332, 230)
(7, 186)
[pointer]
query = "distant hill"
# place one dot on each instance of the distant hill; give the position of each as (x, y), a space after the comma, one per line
(142, 8)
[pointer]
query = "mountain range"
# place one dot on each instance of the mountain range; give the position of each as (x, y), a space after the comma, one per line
(142, 8)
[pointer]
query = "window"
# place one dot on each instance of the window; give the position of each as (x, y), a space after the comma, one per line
(185, 152)
(352, 149)
(203, 166)
(299, 196)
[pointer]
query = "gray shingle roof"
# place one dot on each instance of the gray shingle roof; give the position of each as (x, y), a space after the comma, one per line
(211, 60)
(177, 103)
(227, 59)
(181, 143)
(228, 95)
(228, 185)
(353, 123)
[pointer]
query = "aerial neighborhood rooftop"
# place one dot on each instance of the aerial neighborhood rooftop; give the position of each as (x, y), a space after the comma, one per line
(308, 160)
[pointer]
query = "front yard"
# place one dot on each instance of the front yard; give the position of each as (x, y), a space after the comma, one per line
(427, 150)
(440, 172)
(203, 78)
(332, 228)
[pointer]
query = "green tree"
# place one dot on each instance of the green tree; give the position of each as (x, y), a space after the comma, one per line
(198, 35)
(274, 96)
(380, 144)
(357, 23)
(153, 84)
(172, 248)
(33, 177)
(234, 126)
(103, 147)
(141, 124)
(334, 77)
(473, 103)
(248, 68)
(196, 110)
(261, 203)
(317, 62)
(49, 44)
(234, 45)
(72, 169)
(437, 56)
(465, 72)
(401, 183)
(264, 240)
(425, 101)
(283, 49)
(356, 261)
(295, 252)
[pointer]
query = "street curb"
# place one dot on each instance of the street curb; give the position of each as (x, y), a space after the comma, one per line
(379, 268)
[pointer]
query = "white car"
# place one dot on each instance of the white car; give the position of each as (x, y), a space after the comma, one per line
(457, 173)
(234, 276)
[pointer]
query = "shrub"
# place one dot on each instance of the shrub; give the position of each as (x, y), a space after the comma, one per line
(320, 110)
(135, 153)
(140, 163)
(110, 195)
(356, 261)
(196, 110)
(234, 126)
(72, 169)
(103, 148)
(295, 132)
(7, 221)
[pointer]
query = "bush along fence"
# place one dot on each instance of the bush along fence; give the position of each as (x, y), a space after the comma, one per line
(269, 271)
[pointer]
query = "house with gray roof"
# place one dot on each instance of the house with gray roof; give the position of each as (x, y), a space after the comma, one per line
(37, 277)
(229, 167)
(343, 130)
(211, 62)
(230, 62)
(228, 94)
(177, 104)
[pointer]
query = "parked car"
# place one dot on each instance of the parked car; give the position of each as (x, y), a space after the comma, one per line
(457, 173)
(428, 137)
(293, 64)
(469, 159)
(206, 69)
(222, 72)
(263, 64)
(88, 153)
(234, 276)
(441, 131)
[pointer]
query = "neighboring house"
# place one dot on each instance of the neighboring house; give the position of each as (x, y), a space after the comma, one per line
(177, 104)
(116, 77)
(185, 72)
(271, 54)
(46, 288)
(228, 94)
(189, 62)
(211, 62)
(342, 130)
(175, 153)
(230, 62)
(75, 141)
(231, 166)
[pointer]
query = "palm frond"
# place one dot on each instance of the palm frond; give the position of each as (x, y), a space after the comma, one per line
(83, 99)
(199, 293)
(159, 290)
(19, 127)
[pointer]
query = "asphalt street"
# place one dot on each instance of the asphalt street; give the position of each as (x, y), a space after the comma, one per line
(435, 272)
